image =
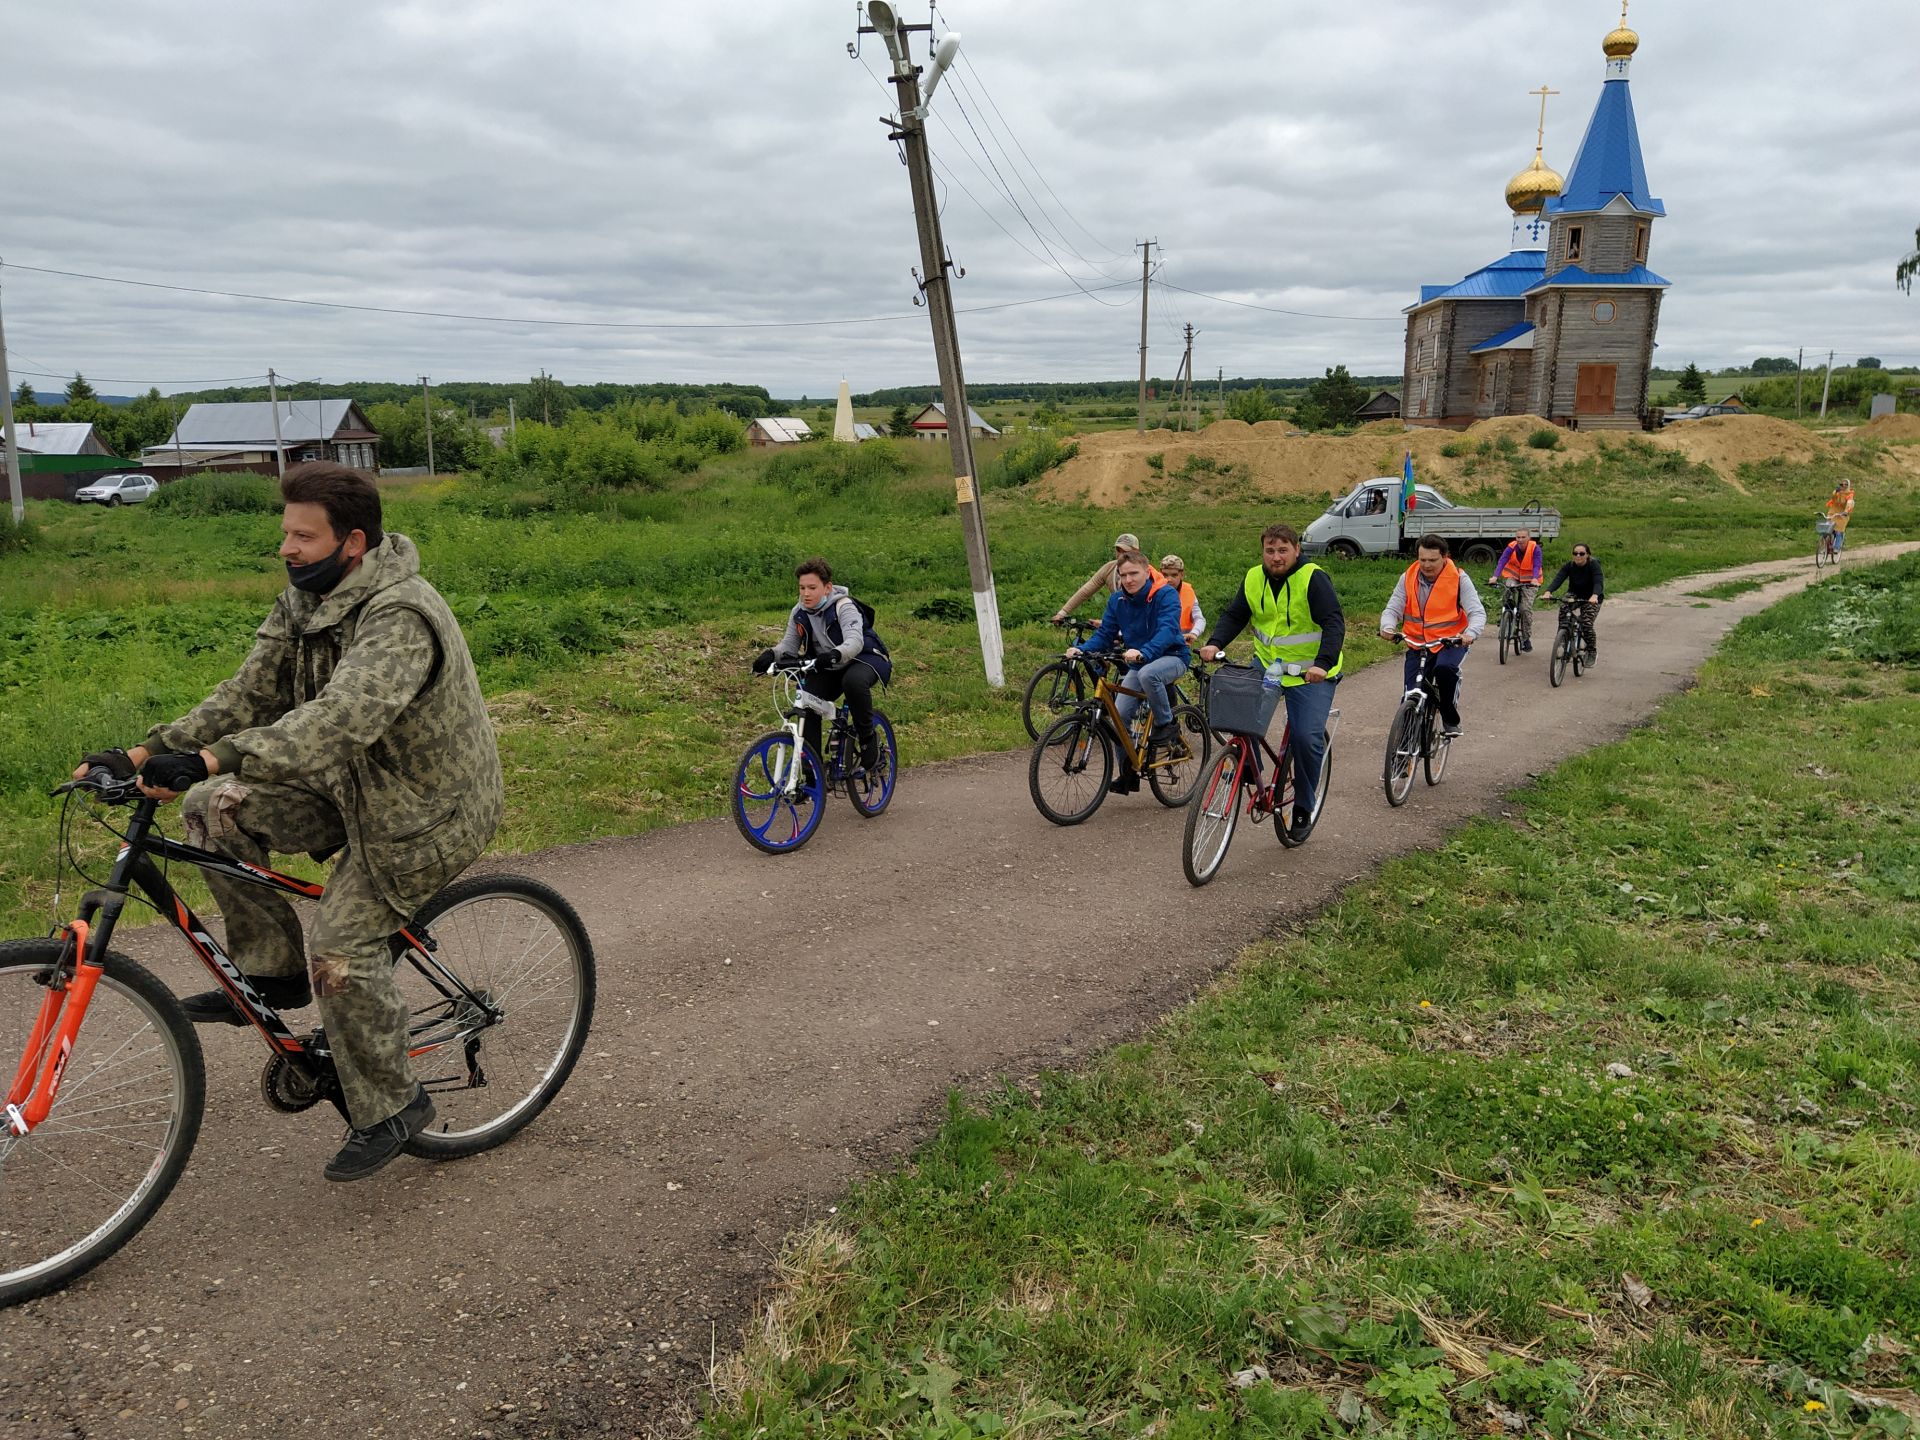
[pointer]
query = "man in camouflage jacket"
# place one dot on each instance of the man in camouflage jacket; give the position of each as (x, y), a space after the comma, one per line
(356, 726)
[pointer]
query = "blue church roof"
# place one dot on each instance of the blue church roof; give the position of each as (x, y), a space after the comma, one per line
(1609, 161)
(1575, 275)
(1507, 278)
(1505, 338)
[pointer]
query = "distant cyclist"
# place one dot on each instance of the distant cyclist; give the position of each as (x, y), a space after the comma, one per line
(1296, 618)
(1586, 589)
(1520, 564)
(1103, 577)
(1193, 620)
(1436, 601)
(1840, 511)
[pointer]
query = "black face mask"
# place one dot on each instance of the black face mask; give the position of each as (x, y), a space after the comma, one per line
(322, 575)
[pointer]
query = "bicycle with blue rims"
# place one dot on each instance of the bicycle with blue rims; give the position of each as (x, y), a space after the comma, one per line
(780, 788)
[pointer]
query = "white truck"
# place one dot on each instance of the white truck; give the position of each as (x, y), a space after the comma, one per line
(1367, 521)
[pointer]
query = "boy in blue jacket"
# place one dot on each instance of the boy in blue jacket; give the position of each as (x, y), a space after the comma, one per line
(1144, 615)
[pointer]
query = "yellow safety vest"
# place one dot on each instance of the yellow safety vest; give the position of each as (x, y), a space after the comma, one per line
(1283, 626)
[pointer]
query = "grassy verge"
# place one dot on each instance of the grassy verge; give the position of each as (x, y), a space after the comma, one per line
(1598, 1123)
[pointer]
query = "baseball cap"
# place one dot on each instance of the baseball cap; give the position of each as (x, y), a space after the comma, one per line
(1126, 541)
(1172, 562)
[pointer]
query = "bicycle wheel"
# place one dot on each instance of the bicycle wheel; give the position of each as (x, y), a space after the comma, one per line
(770, 818)
(1508, 623)
(1282, 832)
(499, 1008)
(1212, 812)
(1056, 687)
(94, 1171)
(1403, 752)
(1172, 772)
(1437, 747)
(1563, 644)
(1071, 769)
(871, 789)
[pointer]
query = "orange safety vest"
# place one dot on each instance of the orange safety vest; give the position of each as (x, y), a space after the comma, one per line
(1840, 509)
(1520, 567)
(1444, 616)
(1187, 601)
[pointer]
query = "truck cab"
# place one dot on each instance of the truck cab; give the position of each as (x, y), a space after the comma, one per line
(1366, 520)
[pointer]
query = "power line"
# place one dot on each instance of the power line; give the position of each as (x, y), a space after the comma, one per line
(1274, 310)
(112, 380)
(533, 320)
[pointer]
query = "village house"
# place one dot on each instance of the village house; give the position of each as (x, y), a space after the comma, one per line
(238, 435)
(931, 423)
(57, 457)
(778, 430)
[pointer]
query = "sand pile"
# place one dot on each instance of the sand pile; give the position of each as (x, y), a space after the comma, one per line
(1277, 460)
(1726, 442)
(1893, 427)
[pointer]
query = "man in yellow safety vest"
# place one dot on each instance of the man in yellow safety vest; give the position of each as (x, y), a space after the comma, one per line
(1298, 631)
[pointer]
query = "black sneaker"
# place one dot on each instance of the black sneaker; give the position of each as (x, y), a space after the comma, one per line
(282, 992)
(870, 749)
(1301, 827)
(369, 1150)
(1126, 784)
(1164, 733)
(1589, 660)
(1451, 729)
(1526, 647)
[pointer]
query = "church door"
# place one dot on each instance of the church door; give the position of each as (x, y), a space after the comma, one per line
(1593, 393)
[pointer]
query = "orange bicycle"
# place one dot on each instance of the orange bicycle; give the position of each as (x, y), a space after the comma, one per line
(1071, 769)
(106, 1098)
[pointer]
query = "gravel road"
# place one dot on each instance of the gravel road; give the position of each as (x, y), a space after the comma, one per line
(769, 1030)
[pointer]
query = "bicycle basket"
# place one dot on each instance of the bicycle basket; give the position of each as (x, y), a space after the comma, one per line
(1823, 527)
(1239, 702)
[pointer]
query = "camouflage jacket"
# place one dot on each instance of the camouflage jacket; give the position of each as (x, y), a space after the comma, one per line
(367, 695)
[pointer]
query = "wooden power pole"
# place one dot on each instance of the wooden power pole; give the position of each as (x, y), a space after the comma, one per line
(14, 492)
(273, 400)
(1145, 247)
(935, 277)
(426, 405)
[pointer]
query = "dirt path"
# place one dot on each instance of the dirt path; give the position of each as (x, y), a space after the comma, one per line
(769, 1029)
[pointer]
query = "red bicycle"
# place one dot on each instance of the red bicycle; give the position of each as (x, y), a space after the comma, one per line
(106, 1099)
(1235, 780)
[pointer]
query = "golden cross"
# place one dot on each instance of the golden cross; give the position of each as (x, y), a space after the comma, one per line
(1540, 137)
(1623, 14)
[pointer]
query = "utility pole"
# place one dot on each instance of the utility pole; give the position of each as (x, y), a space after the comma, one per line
(546, 407)
(513, 424)
(273, 399)
(1826, 385)
(936, 285)
(1798, 356)
(426, 403)
(1186, 371)
(1221, 377)
(1145, 247)
(13, 447)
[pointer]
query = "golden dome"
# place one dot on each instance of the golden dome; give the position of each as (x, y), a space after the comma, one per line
(1529, 191)
(1620, 43)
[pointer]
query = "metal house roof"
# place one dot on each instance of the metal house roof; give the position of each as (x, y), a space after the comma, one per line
(1507, 278)
(250, 422)
(53, 437)
(1575, 275)
(1514, 337)
(1609, 162)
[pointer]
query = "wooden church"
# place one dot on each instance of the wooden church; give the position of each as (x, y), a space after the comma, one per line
(1563, 324)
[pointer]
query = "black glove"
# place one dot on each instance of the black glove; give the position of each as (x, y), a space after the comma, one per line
(174, 772)
(116, 760)
(826, 660)
(763, 662)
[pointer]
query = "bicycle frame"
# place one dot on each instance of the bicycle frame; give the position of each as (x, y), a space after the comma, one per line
(794, 700)
(68, 994)
(1106, 687)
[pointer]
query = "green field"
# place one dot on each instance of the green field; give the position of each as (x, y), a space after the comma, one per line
(612, 628)
(1597, 1123)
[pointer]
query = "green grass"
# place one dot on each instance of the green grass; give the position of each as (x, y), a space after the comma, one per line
(1607, 1115)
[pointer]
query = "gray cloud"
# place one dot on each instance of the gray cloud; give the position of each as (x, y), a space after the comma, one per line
(611, 161)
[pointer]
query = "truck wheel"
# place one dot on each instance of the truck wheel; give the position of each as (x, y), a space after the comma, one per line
(1477, 555)
(1344, 550)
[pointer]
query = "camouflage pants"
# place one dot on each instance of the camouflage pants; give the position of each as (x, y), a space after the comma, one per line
(350, 966)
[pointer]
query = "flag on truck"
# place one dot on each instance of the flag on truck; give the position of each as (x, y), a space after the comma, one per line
(1406, 485)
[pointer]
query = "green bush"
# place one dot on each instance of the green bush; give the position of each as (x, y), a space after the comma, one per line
(1545, 438)
(830, 469)
(1454, 449)
(1026, 461)
(211, 493)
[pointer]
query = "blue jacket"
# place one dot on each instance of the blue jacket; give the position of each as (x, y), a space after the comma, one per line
(1148, 622)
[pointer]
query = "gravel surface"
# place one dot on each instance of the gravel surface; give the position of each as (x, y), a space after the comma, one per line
(769, 1029)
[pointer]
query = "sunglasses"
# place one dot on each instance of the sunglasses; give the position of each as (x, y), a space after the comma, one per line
(1579, 554)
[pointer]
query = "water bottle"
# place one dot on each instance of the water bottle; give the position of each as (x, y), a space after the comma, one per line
(1275, 672)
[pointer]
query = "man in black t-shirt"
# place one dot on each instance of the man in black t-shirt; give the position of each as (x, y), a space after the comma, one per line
(1586, 588)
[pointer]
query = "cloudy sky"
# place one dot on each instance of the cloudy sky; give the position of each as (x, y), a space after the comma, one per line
(715, 165)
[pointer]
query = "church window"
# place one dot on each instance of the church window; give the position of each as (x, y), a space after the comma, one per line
(1575, 235)
(1603, 311)
(1640, 244)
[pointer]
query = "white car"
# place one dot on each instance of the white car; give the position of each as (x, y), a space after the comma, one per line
(127, 489)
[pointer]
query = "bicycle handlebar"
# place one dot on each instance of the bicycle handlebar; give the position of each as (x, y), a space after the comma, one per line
(101, 781)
